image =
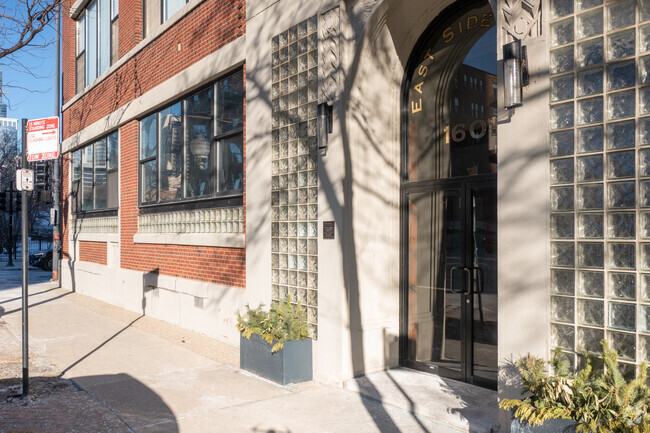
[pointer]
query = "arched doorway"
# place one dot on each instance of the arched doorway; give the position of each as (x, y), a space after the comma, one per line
(449, 224)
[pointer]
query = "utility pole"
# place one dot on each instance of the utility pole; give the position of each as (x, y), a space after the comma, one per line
(25, 226)
(56, 170)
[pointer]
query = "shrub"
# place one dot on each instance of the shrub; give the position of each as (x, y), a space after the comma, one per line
(600, 401)
(283, 322)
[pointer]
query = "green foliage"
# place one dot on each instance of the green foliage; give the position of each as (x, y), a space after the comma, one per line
(599, 400)
(283, 322)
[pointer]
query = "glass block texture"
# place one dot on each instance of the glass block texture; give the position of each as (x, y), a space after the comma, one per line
(294, 168)
(600, 177)
(208, 221)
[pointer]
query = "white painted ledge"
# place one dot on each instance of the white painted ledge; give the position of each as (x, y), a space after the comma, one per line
(91, 268)
(96, 237)
(193, 239)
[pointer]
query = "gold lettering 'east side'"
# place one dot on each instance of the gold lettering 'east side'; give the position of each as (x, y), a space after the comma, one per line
(422, 72)
(470, 23)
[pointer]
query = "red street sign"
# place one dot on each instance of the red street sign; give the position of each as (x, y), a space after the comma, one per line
(43, 139)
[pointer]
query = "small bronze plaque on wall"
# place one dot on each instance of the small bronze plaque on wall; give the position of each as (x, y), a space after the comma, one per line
(328, 229)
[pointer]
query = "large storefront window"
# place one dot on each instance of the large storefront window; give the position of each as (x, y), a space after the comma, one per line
(95, 176)
(600, 133)
(193, 149)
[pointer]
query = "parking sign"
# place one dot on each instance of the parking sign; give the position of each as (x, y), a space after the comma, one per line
(43, 139)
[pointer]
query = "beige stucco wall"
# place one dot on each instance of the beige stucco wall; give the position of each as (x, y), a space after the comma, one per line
(523, 194)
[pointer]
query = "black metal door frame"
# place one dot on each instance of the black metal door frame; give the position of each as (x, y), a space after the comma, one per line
(464, 185)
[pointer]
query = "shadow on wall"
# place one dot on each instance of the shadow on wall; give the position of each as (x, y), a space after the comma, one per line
(54, 401)
(149, 284)
(73, 227)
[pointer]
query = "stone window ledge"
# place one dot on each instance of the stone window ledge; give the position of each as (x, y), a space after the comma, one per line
(96, 237)
(193, 239)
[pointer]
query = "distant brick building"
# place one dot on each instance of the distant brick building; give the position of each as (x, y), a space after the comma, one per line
(344, 153)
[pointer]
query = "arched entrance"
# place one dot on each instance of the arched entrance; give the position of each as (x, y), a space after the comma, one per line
(449, 224)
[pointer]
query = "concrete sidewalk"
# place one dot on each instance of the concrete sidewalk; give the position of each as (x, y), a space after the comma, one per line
(99, 368)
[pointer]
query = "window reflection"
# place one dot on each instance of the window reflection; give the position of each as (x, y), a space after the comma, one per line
(171, 153)
(199, 135)
(194, 148)
(87, 178)
(100, 175)
(231, 159)
(95, 175)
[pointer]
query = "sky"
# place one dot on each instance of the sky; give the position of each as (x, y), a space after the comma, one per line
(28, 79)
(483, 54)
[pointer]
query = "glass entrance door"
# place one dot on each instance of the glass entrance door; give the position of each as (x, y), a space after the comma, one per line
(449, 167)
(452, 290)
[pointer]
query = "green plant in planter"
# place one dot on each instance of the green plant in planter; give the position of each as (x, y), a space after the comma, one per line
(600, 402)
(283, 322)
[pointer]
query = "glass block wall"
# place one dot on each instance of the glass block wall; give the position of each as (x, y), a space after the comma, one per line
(294, 168)
(600, 176)
(223, 220)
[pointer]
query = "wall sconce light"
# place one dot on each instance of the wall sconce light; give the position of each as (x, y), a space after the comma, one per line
(515, 73)
(324, 124)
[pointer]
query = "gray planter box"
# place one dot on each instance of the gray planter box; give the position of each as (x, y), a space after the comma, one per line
(550, 426)
(292, 364)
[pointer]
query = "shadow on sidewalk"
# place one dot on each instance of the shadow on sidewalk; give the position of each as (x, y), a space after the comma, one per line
(104, 403)
(35, 304)
(30, 295)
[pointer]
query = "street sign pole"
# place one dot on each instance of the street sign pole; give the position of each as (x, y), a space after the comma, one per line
(40, 142)
(10, 250)
(25, 226)
(56, 170)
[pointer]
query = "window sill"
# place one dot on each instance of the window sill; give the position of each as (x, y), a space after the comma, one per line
(95, 214)
(97, 237)
(236, 199)
(192, 239)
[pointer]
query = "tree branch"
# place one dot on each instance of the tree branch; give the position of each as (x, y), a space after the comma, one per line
(24, 22)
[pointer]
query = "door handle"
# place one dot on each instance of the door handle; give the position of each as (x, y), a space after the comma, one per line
(467, 282)
(480, 280)
(451, 278)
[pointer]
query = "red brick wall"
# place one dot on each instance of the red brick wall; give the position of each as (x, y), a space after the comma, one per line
(130, 25)
(204, 30)
(93, 252)
(207, 28)
(67, 52)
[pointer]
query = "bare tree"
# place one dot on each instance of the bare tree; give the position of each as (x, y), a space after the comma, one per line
(22, 21)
